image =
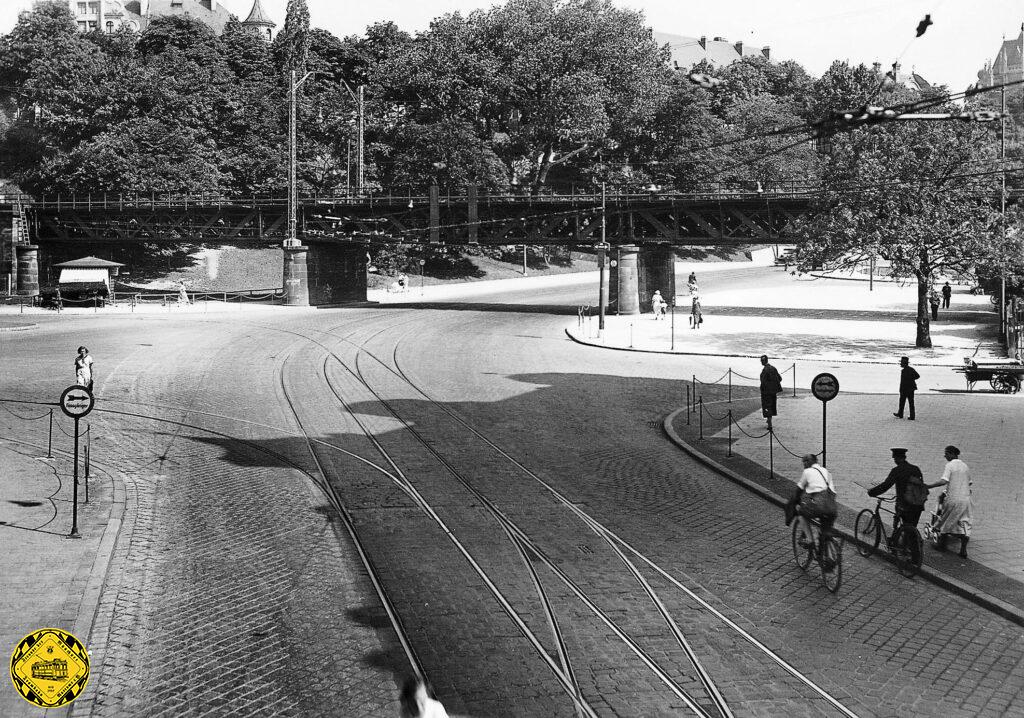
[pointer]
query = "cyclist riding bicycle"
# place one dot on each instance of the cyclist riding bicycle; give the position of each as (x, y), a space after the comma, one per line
(911, 495)
(816, 499)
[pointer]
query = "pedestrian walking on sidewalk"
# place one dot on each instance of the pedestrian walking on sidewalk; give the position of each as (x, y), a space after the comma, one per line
(696, 317)
(658, 304)
(947, 293)
(417, 700)
(83, 368)
(908, 385)
(771, 387)
(957, 508)
(933, 300)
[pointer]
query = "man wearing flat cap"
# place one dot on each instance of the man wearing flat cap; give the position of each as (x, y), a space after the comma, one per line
(908, 510)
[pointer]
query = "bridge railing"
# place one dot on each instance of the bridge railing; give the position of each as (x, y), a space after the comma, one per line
(179, 200)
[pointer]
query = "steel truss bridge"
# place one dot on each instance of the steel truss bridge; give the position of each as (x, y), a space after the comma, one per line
(702, 218)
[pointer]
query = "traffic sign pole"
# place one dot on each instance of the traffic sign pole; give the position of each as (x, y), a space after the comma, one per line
(74, 504)
(825, 388)
(76, 401)
(824, 434)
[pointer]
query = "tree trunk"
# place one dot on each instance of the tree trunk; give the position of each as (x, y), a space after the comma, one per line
(924, 335)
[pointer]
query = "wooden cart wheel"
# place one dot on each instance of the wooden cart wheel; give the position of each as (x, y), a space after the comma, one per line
(1005, 383)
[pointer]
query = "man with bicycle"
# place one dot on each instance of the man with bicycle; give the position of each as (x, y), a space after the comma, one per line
(909, 483)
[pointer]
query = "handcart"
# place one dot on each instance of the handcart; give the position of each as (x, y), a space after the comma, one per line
(1003, 378)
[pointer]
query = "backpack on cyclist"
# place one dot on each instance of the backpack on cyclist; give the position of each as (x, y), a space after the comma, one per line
(915, 493)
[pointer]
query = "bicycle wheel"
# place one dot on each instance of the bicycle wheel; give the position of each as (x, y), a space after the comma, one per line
(868, 532)
(831, 562)
(903, 541)
(802, 554)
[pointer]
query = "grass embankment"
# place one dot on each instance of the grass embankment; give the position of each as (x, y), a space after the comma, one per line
(230, 268)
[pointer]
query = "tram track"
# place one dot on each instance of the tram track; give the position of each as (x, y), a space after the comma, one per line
(520, 539)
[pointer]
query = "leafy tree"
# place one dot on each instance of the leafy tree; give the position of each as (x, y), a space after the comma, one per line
(292, 43)
(549, 84)
(905, 193)
(447, 153)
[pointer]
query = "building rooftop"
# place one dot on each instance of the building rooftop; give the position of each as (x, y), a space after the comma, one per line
(258, 16)
(688, 51)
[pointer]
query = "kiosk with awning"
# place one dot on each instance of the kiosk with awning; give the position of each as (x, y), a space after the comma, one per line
(86, 279)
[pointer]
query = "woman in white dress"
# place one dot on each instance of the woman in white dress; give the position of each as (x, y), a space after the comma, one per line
(957, 509)
(83, 368)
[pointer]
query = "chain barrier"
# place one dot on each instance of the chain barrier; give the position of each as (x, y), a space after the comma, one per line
(723, 417)
(749, 435)
(743, 376)
(26, 418)
(716, 381)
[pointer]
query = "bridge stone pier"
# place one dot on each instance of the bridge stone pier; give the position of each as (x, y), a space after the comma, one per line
(637, 274)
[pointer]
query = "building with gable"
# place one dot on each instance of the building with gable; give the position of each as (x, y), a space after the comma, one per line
(111, 15)
(1008, 65)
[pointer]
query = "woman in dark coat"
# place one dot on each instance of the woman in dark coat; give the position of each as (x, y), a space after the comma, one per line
(771, 387)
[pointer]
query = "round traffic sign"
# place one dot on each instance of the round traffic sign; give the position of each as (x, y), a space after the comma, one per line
(825, 386)
(76, 401)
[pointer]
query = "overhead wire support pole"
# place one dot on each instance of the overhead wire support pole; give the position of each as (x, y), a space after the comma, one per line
(1002, 207)
(291, 240)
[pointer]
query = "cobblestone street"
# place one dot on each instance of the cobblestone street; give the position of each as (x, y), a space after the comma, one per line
(234, 588)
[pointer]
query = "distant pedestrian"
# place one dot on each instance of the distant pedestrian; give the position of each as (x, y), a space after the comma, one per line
(183, 295)
(696, 316)
(947, 293)
(934, 301)
(417, 700)
(957, 507)
(691, 284)
(658, 304)
(403, 282)
(908, 385)
(83, 368)
(771, 387)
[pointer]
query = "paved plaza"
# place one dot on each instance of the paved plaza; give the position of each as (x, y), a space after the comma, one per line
(493, 472)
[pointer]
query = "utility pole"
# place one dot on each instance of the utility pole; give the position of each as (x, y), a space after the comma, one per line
(1002, 207)
(601, 249)
(360, 141)
(291, 240)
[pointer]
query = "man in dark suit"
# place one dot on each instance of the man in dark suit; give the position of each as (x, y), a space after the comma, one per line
(947, 292)
(908, 385)
(906, 513)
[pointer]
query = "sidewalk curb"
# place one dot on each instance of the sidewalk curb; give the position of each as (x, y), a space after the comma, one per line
(980, 598)
(19, 327)
(586, 342)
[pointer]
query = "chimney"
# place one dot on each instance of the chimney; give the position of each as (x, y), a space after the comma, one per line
(739, 48)
(704, 42)
(767, 52)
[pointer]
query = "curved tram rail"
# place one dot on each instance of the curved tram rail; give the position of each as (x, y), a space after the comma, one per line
(524, 544)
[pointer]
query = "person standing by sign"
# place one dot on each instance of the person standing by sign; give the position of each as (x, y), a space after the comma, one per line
(83, 368)
(908, 385)
(957, 508)
(771, 387)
